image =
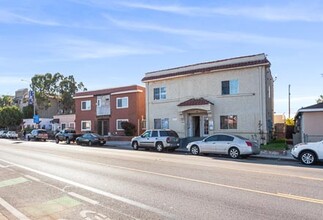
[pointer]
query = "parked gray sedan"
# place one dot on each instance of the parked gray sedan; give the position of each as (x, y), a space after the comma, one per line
(232, 145)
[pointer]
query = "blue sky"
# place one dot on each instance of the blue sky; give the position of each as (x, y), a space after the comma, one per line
(114, 43)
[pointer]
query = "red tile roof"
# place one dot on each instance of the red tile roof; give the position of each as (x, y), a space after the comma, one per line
(193, 101)
(200, 67)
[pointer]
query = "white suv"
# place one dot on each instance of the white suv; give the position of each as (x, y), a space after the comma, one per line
(159, 139)
(308, 153)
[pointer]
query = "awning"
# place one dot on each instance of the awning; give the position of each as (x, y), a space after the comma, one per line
(193, 101)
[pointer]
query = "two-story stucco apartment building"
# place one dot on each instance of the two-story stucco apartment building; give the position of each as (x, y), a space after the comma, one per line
(103, 111)
(233, 95)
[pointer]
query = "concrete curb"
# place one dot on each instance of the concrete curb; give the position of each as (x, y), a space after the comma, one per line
(272, 155)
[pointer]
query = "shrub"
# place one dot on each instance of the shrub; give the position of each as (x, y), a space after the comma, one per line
(129, 128)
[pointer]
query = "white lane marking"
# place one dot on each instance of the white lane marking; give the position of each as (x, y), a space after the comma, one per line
(91, 201)
(97, 191)
(5, 166)
(98, 216)
(13, 210)
(32, 178)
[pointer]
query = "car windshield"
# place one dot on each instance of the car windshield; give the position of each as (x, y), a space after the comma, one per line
(42, 132)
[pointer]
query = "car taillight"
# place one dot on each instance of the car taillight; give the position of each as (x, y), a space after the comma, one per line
(249, 143)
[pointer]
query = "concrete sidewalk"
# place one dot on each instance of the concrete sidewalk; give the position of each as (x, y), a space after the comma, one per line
(285, 155)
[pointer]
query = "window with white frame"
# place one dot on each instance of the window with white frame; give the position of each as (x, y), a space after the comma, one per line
(160, 93)
(98, 102)
(86, 105)
(86, 125)
(71, 125)
(230, 87)
(161, 123)
(119, 121)
(122, 102)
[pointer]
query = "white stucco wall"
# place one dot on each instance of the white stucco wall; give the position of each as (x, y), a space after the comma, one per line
(68, 120)
(249, 104)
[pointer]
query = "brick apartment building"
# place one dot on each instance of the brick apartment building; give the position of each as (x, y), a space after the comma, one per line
(102, 111)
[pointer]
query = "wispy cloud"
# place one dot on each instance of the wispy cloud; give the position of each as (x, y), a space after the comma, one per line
(291, 12)
(210, 35)
(10, 17)
(78, 49)
(10, 79)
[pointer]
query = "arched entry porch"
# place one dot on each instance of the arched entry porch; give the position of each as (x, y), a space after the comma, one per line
(197, 116)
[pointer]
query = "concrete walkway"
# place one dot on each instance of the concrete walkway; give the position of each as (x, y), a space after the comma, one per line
(286, 155)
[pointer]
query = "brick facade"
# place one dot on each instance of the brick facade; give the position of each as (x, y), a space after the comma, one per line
(104, 112)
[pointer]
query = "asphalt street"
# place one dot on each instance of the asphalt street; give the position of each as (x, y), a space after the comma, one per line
(44, 180)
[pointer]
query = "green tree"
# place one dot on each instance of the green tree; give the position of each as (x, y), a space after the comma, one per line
(6, 100)
(67, 88)
(45, 86)
(10, 117)
(320, 100)
(28, 111)
(58, 87)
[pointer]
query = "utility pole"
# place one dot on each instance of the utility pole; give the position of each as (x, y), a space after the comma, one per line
(289, 101)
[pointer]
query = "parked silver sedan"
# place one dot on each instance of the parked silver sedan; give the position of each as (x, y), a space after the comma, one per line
(232, 145)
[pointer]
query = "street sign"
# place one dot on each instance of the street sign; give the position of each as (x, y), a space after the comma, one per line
(36, 119)
(31, 97)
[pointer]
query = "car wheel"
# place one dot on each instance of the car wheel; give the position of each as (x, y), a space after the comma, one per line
(159, 146)
(68, 141)
(90, 143)
(234, 152)
(195, 150)
(28, 138)
(135, 145)
(57, 140)
(308, 158)
(77, 142)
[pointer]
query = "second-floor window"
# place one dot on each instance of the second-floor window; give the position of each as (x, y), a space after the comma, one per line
(159, 93)
(230, 87)
(122, 102)
(86, 105)
(98, 102)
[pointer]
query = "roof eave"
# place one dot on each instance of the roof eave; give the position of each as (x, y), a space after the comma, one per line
(161, 77)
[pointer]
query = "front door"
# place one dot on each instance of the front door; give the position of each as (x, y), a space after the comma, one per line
(196, 126)
(103, 127)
